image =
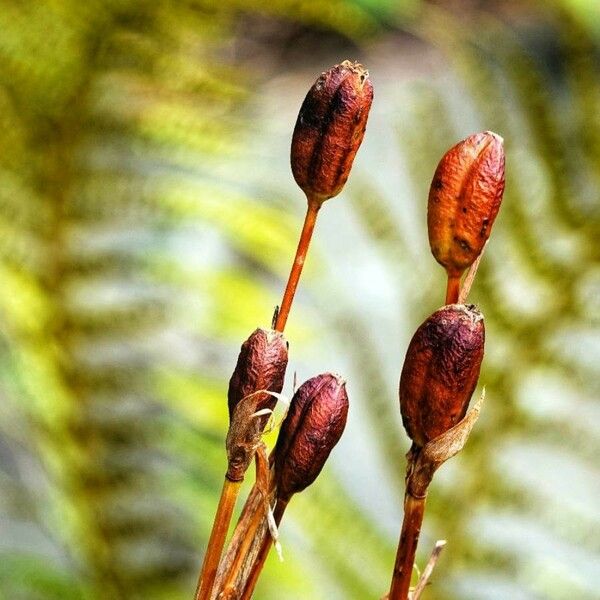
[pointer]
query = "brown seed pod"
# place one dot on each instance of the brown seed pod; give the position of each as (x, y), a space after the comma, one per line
(440, 371)
(329, 130)
(464, 199)
(260, 366)
(313, 426)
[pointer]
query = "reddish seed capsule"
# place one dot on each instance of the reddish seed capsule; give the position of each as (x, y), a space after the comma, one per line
(260, 366)
(464, 199)
(313, 426)
(329, 130)
(440, 371)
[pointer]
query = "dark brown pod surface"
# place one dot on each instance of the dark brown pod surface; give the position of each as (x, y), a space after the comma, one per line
(464, 199)
(440, 371)
(313, 426)
(260, 366)
(330, 128)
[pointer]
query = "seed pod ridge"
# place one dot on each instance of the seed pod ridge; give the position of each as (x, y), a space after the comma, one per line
(464, 199)
(329, 130)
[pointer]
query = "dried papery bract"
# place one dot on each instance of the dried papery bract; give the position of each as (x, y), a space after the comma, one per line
(313, 426)
(260, 369)
(440, 371)
(329, 130)
(464, 199)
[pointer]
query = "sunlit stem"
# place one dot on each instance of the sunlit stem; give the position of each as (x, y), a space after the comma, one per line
(229, 495)
(452, 289)
(424, 579)
(229, 586)
(303, 244)
(414, 509)
(263, 552)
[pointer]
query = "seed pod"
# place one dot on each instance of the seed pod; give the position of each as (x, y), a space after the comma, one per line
(260, 366)
(464, 199)
(313, 426)
(440, 371)
(329, 130)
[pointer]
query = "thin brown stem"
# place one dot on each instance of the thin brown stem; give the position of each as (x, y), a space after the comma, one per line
(452, 289)
(229, 495)
(292, 284)
(261, 557)
(414, 509)
(230, 585)
(254, 502)
(424, 579)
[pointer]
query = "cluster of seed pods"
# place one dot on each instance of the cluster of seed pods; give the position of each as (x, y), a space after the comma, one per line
(443, 359)
(328, 132)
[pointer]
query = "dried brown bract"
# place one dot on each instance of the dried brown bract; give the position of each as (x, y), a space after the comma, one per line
(440, 371)
(464, 199)
(329, 130)
(313, 426)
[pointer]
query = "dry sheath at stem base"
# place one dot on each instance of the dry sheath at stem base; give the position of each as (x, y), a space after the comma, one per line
(263, 553)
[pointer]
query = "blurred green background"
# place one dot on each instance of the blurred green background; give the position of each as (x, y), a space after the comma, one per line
(148, 220)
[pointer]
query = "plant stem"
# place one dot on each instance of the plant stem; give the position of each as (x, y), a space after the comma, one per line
(263, 552)
(424, 579)
(253, 503)
(229, 495)
(452, 289)
(303, 244)
(230, 586)
(414, 509)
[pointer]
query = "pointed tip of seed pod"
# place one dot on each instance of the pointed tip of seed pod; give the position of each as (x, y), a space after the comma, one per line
(497, 137)
(356, 68)
(472, 311)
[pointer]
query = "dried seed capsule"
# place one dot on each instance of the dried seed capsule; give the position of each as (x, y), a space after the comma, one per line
(313, 426)
(260, 366)
(464, 199)
(329, 130)
(440, 371)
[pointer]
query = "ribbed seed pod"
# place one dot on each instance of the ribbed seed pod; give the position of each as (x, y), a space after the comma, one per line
(464, 199)
(313, 426)
(260, 366)
(440, 371)
(330, 128)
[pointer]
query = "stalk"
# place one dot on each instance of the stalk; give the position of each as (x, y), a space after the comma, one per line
(414, 509)
(452, 290)
(227, 501)
(253, 504)
(263, 552)
(303, 245)
(229, 587)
